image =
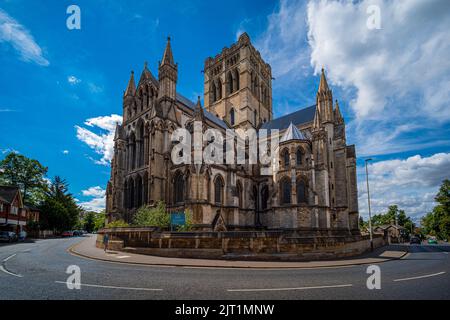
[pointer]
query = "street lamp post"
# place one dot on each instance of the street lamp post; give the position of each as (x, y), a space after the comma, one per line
(368, 200)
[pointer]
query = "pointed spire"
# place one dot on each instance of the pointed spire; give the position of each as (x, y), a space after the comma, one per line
(317, 120)
(198, 110)
(337, 114)
(168, 56)
(323, 86)
(292, 133)
(131, 88)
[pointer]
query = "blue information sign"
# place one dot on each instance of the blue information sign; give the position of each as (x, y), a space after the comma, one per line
(178, 219)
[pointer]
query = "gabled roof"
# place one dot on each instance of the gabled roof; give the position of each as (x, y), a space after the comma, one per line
(292, 133)
(147, 75)
(297, 118)
(208, 115)
(8, 193)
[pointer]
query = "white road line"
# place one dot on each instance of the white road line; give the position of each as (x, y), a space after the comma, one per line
(289, 289)
(123, 257)
(10, 273)
(113, 287)
(421, 277)
(10, 257)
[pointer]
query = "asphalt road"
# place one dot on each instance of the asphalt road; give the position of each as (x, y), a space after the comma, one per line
(37, 270)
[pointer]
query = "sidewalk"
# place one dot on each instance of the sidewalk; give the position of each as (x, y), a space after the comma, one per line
(87, 249)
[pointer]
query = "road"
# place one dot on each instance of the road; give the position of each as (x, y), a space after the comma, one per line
(37, 270)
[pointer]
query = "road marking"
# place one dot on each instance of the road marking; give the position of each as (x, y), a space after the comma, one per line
(10, 257)
(9, 272)
(289, 289)
(3, 268)
(123, 257)
(421, 277)
(112, 287)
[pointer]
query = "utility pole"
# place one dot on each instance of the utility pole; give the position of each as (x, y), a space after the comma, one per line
(368, 200)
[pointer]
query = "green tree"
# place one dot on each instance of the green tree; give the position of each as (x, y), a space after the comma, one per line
(153, 217)
(59, 209)
(27, 174)
(393, 215)
(89, 221)
(437, 222)
(100, 219)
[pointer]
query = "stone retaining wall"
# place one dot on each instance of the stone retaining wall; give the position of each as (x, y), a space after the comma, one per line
(286, 245)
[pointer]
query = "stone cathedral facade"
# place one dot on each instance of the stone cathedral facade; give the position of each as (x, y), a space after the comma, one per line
(314, 189)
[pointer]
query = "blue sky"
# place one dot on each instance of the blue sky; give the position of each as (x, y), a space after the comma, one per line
(61, 90)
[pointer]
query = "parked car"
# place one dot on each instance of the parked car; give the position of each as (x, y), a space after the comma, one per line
(8, 236)
(67, 234)
(414, 240)
(432, 240)
(78, 233)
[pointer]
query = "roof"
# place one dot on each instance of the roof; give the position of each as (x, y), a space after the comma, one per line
(292, 133)
(297, 118)
(8, 193)
(208, 115)
(387, 226)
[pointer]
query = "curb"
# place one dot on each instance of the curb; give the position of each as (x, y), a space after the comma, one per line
(71, 250)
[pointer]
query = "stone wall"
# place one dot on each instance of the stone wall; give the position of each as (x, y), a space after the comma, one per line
(242, 245)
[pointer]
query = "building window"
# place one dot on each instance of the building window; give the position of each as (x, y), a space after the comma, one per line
(1, 207)
(232, 119)
(285, 191)
(299, 157)
(286, 158)
(264, 197)
(301, 192)
(14, 210)
(218, 190)
(179, 188)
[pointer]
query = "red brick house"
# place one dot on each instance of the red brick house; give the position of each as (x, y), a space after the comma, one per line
(13, 216)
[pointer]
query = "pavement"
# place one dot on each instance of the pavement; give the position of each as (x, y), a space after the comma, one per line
(45, 270)
(88, 249)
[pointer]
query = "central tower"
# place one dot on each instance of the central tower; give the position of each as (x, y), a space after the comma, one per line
(238, 86)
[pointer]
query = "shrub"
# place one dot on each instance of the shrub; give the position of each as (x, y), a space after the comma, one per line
(153, 216)
(117, 224)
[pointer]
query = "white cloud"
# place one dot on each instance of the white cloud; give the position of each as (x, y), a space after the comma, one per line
(65, 152)
(98, 201)
(94, 192)
(411, 183)
(283, 44)
(102, 143)
(406, 60)
(73, 80)
(21, 40)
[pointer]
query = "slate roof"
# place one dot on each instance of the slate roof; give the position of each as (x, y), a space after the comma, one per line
(297, 118)
(292, 133)
(208, 115)
(7, 193)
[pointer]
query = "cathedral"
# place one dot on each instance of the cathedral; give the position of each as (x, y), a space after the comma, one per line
(314, 188)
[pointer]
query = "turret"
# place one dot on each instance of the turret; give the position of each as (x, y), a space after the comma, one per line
(128, 98)
(325, 100)
(168, 74)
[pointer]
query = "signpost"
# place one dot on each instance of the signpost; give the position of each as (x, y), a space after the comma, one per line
(177, 219)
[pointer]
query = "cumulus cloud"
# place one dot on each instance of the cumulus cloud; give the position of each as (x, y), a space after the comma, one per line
(410, 183)
(98, 199)
(406, 59)
(103, 141)
(65, 152)
(12, 32)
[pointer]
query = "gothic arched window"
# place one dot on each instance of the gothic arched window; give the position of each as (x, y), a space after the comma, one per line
(299, 157)
(285, 191)
(264, 197)
(239, 194)
(229, 83)
(286, 159)
(232, 120)
(236, 79)
(301, 191)
(218, 190)
(179, 188)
